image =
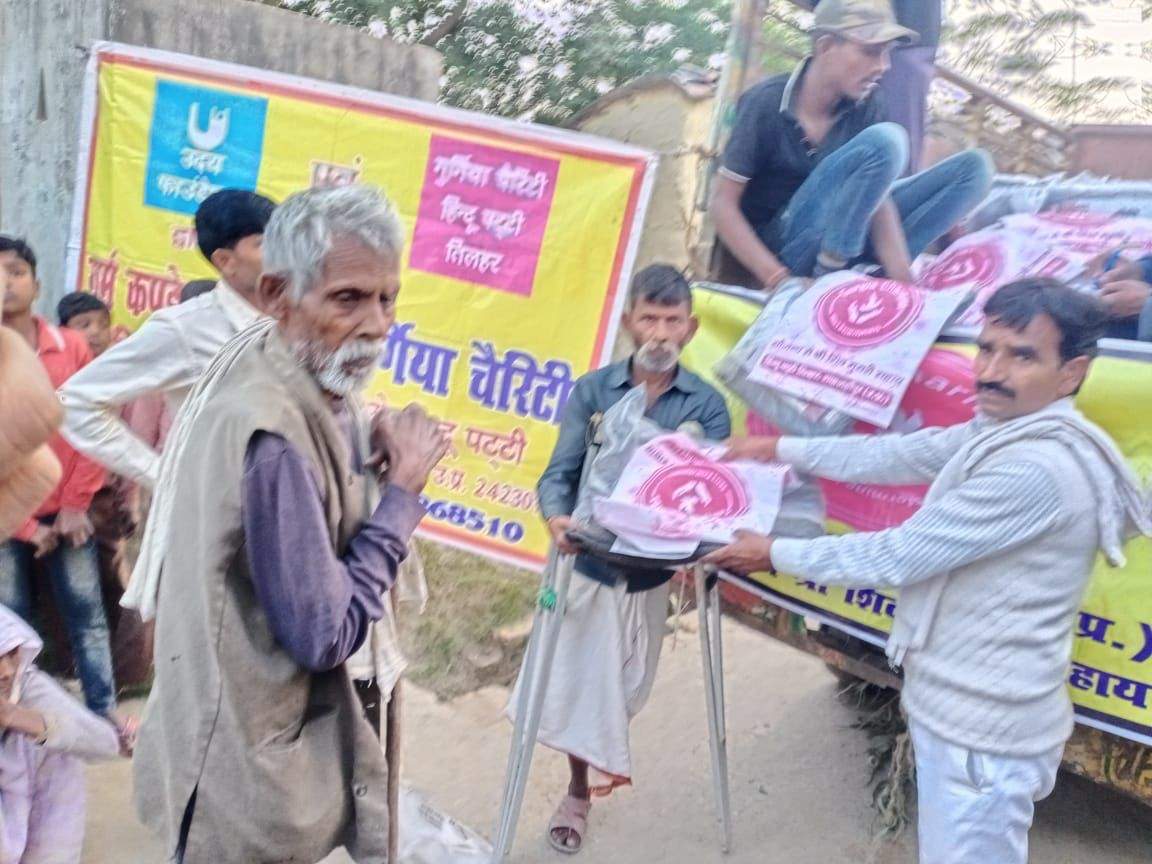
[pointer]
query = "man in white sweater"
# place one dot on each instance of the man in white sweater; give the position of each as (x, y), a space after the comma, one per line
(991, 569)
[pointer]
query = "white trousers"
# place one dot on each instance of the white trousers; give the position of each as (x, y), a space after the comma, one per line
(976, 808)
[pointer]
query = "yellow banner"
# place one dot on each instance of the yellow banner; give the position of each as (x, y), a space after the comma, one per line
(520, 240)
(1111, 676)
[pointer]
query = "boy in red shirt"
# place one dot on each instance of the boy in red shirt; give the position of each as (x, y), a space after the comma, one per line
(59, 534)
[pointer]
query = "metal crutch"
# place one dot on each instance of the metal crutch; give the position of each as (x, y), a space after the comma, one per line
(538, 657)
(530, 700)
(708, 609)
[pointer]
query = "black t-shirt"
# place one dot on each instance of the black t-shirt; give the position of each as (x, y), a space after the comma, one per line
(769, 149)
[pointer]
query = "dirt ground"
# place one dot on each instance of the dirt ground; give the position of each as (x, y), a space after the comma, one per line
(798, 778)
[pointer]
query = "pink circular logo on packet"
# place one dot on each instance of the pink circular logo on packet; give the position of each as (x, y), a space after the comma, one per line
(980, 264)
(695, 489)
(867, 312)
(941, 394)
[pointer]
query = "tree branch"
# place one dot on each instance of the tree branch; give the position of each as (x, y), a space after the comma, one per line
(448, 25)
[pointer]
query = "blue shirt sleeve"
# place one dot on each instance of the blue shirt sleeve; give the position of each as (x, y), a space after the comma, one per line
(1146, 268)
(716, 421)
(1144, 322)
(319, 605)
(559, 484)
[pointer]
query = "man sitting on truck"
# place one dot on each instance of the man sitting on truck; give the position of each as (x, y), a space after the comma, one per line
(808, 184)
(991, 570)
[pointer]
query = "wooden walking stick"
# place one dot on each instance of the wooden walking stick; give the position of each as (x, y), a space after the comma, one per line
(392, 730)
(390, 717)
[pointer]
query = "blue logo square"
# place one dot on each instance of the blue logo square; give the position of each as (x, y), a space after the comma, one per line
(202, 140)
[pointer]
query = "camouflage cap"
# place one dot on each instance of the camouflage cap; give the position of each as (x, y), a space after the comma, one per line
(869, 21)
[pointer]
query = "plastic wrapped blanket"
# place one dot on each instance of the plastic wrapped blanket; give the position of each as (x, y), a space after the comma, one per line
(792, 416)
(1023, 194)
(624, 429)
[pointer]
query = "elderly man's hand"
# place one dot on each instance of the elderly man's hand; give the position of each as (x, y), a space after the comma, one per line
(1125, 298)
(748, 553)
(414, 443)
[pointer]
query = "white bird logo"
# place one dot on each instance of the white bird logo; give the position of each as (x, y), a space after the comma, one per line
(217, 131)
(691, 496)
(863, 312)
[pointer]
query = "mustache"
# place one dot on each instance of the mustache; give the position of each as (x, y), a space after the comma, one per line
(995, 387)
(360, 349)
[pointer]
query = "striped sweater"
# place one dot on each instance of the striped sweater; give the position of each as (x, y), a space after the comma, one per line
(1016, 538)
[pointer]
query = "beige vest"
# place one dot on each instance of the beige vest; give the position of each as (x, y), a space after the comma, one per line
(282, 762)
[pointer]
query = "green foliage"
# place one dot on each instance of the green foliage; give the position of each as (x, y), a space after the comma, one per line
(545, 61)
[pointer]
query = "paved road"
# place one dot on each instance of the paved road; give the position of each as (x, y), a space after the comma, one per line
(798, 778)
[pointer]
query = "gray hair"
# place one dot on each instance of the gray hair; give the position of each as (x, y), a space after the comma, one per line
(304, 228)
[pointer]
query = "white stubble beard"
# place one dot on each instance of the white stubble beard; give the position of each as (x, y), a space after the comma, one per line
(658, 357)
(328, 367)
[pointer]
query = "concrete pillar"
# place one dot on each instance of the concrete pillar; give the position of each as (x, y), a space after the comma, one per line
(42, 67)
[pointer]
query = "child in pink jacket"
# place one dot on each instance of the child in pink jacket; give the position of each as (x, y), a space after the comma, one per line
(44, 736)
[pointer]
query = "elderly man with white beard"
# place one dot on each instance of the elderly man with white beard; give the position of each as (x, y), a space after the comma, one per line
(279, 543)
(613, 627)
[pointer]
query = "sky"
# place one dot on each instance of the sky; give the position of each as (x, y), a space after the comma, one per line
(1117, 23)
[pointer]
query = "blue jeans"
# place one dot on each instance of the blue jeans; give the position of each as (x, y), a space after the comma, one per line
(832, 211)
(75, 576)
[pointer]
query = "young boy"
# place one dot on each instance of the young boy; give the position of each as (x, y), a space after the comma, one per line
(44, 736)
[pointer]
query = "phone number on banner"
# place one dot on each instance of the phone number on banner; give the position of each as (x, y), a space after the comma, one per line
(474, 520)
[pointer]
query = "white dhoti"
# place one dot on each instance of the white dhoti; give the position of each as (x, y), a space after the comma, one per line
(605, 665)
(976, 808)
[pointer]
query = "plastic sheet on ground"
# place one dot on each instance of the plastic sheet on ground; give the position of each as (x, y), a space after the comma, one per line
(427, 836)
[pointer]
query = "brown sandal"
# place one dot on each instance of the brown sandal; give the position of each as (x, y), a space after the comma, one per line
(570, 816)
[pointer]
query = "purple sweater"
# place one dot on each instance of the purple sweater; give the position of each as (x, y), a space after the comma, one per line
(319, 605)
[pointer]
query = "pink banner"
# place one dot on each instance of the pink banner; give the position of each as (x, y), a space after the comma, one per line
(483, 213)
